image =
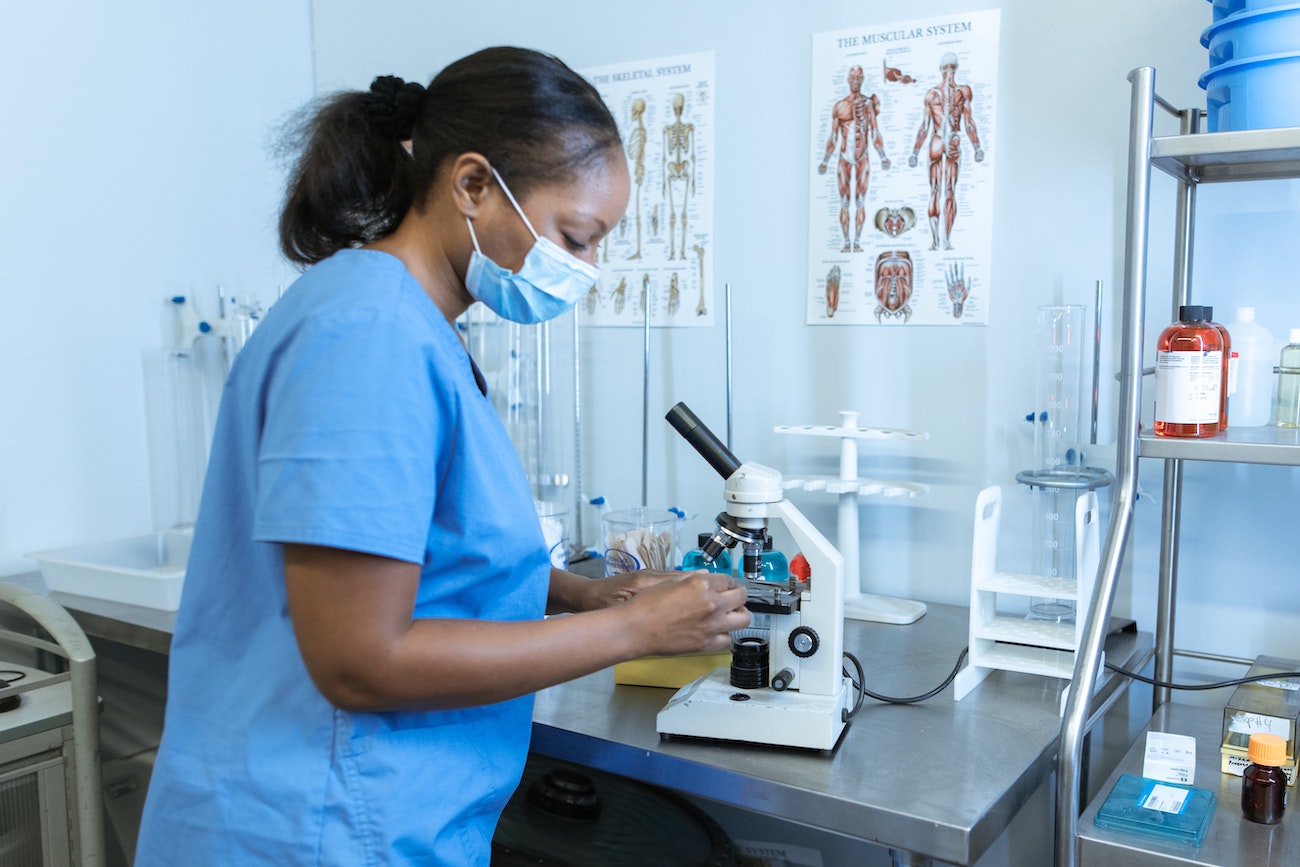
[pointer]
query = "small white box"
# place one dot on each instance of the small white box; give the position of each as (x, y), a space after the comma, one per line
(141, 570)
(1170, 758)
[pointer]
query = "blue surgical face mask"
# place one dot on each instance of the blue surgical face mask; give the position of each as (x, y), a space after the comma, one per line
(550, 282)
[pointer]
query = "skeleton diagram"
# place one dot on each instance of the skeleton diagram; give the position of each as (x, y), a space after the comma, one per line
(636, 153)
(700, 309)
(854, 117)
(946, 107)
(679, 172)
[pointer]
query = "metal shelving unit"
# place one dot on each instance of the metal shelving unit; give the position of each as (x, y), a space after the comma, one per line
(1192, 158)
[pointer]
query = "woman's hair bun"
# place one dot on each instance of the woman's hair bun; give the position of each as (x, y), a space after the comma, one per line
(393, 105)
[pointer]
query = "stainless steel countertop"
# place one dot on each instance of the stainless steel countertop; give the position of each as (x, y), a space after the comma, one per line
(133, 625)
(1230, 840)
(941, 778)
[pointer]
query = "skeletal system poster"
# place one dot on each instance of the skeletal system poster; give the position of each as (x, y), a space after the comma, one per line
(901, 167)
(657, 261)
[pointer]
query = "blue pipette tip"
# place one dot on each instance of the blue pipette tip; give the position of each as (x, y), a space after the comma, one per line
(676, 511)
(1069, 456)
(1029, 417)
(204, 327)
(597, 501)
(178, 299)
(1042, 416)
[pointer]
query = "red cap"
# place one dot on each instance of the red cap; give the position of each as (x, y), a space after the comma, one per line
(799, 567)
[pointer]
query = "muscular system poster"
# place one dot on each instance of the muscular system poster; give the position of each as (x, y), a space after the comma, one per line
(900, 163)
(658, 261)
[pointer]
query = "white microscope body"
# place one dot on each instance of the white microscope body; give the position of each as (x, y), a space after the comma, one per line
(804, 701)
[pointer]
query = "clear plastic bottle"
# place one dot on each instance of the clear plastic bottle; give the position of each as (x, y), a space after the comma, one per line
(1263, 783)
(1288, 383)
(1256, 348)
(1189, 376)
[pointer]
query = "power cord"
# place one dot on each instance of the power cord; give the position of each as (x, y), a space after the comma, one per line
(1285, 675)
(860, 685)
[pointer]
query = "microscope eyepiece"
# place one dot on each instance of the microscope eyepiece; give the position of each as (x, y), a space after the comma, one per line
(703, 440)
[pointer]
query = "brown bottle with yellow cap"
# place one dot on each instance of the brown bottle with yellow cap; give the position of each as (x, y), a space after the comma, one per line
(1263, 785)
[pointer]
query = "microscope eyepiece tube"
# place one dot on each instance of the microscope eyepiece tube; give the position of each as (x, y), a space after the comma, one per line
(703, 440)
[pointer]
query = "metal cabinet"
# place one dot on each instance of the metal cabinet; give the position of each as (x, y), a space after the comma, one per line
(1192, 158)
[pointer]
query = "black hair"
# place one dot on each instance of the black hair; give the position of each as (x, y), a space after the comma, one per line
(534, 118)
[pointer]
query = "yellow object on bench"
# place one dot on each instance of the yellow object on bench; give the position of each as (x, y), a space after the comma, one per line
(670, 671)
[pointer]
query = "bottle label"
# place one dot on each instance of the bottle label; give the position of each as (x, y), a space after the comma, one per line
(1187, 387)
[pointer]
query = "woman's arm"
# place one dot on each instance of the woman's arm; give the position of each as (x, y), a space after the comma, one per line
(352, 616)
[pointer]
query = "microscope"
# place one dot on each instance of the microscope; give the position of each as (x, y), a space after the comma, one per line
(785, 685)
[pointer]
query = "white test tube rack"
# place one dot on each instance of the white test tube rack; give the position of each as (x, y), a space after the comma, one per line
(850, 487)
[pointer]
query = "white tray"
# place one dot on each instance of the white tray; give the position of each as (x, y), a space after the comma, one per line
(140, 570)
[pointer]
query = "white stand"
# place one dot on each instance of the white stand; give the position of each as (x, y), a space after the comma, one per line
(859, 605)
(1009, 641)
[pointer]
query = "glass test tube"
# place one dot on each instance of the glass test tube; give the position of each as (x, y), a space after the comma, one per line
(1058, 455)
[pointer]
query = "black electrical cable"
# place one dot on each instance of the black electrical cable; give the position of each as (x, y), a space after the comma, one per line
(12, 676)
(1285, 675)
(889, 699)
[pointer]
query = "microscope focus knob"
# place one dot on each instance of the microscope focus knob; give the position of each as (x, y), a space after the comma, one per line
(803, 641)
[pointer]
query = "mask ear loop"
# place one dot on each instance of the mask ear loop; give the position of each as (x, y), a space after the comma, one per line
(518, 210)
(472, 236)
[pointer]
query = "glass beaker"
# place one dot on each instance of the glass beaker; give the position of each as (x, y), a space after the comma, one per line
(1053, 539)
(639, 538)
(554, 518)
(1058, 451)
(1058, 431)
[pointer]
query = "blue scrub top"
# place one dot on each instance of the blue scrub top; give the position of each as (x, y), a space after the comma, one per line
(352, 419)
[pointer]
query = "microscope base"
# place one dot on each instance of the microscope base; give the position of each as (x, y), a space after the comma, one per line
(710, 708)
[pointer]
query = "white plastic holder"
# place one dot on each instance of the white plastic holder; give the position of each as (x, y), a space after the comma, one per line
(1010, 642)
(849, 487)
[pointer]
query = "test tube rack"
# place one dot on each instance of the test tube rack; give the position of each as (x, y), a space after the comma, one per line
(849, 487)
(1010, 642)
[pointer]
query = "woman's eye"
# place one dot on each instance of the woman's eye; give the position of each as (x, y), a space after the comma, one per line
(574, 245)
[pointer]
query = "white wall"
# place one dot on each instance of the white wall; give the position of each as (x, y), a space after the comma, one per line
(1061, 150)
(137, 164)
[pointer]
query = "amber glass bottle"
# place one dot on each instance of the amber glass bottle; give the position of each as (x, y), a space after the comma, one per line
(1189, 376)
(1229, 381)
(1263, 784)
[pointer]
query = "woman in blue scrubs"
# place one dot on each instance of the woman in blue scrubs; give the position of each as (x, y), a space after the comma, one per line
(362, 625)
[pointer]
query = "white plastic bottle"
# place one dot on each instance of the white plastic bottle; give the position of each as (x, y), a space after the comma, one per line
(1256, 349)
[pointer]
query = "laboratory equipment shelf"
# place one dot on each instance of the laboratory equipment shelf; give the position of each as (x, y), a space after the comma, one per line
(1192, 158)
(1242, 445)
(1229, 835)
(1243, 155)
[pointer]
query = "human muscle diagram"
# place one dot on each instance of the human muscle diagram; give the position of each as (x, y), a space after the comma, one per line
(901, 174)
(664, 110)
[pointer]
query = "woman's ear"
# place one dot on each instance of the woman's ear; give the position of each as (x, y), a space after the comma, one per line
(471, 176)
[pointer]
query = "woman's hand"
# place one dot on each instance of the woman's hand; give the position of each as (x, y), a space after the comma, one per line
(688, 612)
(604, 592)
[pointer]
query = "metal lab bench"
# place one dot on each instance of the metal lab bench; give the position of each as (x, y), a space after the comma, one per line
(991, 751)
(985, 756)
